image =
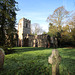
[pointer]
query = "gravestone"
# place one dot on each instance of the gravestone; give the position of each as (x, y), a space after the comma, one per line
(2, 54)
(55, 59)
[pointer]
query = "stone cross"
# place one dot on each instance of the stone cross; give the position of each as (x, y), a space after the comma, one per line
(55, 59)
(2, 54)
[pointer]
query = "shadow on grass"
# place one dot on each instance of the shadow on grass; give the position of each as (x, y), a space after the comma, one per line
(10, 51)
(22, 49)
(26, 64)
(25, 49)
(33, 64)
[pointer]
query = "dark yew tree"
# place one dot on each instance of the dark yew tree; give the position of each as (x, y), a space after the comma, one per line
(7, 20)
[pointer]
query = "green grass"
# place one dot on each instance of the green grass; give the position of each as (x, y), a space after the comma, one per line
(34, 61)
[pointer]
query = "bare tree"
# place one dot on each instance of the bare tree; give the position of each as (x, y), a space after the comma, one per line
(36, 29)
(58, 16)
(71, 21)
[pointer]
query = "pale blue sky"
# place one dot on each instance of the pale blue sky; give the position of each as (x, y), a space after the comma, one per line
(38, 10)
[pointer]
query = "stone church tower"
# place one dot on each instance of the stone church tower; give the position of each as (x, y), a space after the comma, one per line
(24, 28)
(27, 40)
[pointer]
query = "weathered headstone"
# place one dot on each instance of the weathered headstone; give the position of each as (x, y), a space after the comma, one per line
(55, 59)
(2, 54)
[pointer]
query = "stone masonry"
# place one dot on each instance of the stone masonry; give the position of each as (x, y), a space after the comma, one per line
(24, 28)
(27, 40)
(37, 40)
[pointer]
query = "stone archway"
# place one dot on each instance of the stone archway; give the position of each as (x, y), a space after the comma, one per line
(36, 43)
(26, 41)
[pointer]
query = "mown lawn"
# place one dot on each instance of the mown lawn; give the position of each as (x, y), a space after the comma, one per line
(34, 61)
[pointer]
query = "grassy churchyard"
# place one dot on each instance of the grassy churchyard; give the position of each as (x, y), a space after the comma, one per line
(34, 61)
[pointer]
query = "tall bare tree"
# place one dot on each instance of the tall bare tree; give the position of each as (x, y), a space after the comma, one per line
(59, 15)
(71, 21)
(36, 29)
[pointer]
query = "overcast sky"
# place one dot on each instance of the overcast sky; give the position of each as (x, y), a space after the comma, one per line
(38, 10)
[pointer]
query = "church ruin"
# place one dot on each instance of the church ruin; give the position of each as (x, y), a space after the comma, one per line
(25, 39)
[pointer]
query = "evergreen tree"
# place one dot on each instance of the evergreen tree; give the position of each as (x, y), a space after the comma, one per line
(7, 19)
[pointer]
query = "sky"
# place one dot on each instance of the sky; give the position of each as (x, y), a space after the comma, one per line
(38, 10)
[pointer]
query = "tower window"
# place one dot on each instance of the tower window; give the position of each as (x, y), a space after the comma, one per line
(26, 25)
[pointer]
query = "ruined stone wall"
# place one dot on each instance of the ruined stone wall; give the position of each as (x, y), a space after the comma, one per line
(37, 40)
(31, 40)
(42, 40)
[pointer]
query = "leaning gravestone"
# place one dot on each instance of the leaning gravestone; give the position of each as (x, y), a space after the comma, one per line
(55, 59)
(2, 54)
